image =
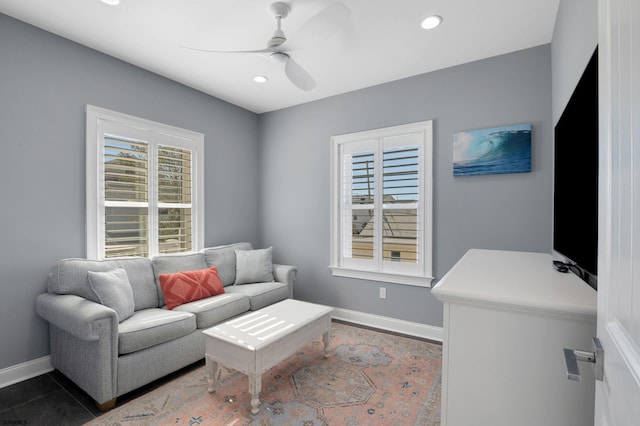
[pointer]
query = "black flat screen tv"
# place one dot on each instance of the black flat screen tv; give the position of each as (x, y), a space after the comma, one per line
(575, 186)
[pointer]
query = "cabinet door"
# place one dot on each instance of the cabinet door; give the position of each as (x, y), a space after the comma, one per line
(505, 367)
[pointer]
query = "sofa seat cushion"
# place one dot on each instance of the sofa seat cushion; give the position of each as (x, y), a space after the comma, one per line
(215, 309)
(150, 327)
(261, 294)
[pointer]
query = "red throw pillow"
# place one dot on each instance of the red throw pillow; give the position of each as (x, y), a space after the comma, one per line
(187, 286)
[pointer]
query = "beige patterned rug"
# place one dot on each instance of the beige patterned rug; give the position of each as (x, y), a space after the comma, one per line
(370, 378)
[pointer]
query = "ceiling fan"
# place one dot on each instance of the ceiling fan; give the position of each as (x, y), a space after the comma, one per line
(318, 27)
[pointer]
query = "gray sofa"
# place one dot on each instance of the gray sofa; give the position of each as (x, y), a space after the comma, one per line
(108, 355)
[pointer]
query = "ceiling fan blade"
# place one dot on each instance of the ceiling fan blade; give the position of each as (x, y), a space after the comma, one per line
(323, 24)
(265, 50)
(298, 75)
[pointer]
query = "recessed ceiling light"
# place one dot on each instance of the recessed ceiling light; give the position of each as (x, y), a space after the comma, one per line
(430, 22)
(260, 79)
(111, 2)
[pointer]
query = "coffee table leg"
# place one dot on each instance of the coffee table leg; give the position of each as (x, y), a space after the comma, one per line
(326, 338)
(255, 385)
(212, 371)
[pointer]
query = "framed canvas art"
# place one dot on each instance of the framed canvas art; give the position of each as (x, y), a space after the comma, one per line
(495, 150)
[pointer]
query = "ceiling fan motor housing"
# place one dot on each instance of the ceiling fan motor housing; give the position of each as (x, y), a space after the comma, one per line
(277, 39)
(280, 9)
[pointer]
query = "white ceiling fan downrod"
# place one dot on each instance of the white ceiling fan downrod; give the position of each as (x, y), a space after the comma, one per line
(280, 10)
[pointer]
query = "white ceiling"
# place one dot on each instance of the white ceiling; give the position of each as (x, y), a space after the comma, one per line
(382, 41)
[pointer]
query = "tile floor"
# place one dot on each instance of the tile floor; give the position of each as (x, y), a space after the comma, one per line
(51, 399)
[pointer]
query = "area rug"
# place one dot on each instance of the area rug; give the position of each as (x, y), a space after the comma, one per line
(370, 378)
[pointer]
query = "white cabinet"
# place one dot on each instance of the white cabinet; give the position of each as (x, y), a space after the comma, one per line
(507, 317)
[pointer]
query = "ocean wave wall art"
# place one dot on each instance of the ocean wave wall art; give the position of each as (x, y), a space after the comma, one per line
(496, 150)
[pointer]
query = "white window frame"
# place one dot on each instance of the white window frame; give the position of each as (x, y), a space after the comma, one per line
(419, 274)
(101, 121)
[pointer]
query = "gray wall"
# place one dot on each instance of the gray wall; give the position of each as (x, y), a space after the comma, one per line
(575, 37)
(45, 83)
(509, 212)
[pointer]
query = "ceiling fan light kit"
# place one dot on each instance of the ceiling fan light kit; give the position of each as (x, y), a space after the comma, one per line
(280, 57)
(320, 26)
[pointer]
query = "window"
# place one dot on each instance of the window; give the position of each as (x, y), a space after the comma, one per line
(381, 204)
(145, 191)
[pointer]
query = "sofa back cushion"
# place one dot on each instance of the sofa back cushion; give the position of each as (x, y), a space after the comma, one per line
(69, 276)
(224, 258)
(170, 263)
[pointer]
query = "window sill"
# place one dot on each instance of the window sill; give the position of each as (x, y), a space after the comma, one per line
(381, 276)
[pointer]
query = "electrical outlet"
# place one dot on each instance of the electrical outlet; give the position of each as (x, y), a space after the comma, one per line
(383, 293)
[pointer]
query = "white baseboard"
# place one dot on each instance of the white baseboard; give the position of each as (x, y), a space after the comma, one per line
(390, 324)
(24, 371)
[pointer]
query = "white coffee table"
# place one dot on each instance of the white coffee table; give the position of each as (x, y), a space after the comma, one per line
(256, 341)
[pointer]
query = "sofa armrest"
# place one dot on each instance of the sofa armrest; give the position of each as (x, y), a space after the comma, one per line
(285, 274)
(84, 342)
(75, 315)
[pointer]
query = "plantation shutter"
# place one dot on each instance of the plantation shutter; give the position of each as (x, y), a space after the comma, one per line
(381, 199)
(362, 236)
(126, 192)
(381, 220)
(145, 187)
(402, 221)
(174, 199)
(358, 197)
(400, 204)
